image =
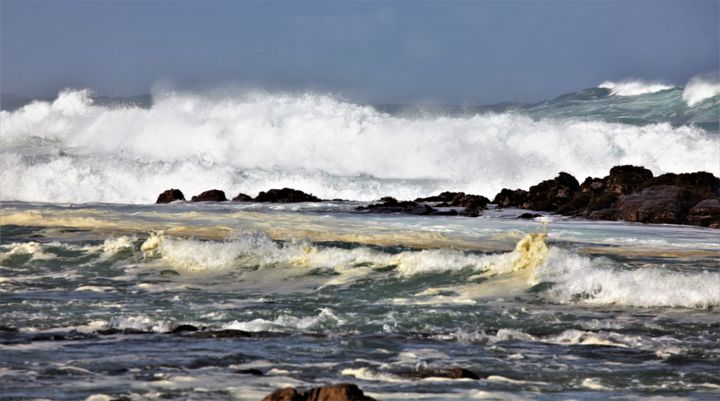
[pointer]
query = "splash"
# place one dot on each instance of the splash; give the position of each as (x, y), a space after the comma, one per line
(72, 150)
(700, 88)
(634, 87)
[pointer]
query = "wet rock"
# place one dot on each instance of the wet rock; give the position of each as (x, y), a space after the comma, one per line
(510, 198)
(529, 216)
(451, 212)
(171, 195)
(701, 182)
(225, 333)
(445, 197)
(451, 373)
(391, 205)
(662, 204)
(241, 197)
(213, 195)
(626, 179)
(254, 372)
(184, 328)
(332, 392)
(705, 213)
(285, 195)
(549, 195)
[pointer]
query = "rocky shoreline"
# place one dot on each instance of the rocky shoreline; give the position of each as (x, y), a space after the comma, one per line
(627, 193)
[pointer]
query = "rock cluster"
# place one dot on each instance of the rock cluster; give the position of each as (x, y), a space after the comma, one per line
(629, 193)
(285, 195)
(472, 205)
(333, 392)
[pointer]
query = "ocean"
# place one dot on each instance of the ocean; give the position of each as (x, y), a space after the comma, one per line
(105, 295)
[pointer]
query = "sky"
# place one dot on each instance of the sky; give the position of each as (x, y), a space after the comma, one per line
(376, 52)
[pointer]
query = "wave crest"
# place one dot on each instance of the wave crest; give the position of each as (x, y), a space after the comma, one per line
(72, 150)
(634, 87)
(700, 88)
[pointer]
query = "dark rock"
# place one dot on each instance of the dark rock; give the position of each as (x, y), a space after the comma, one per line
(452, 373)
(184, 328)
(451, 212)
(392, 205)
(254, 372)
(549, 195)
(331, 392)
(285, 195)
(445, 197)
(705, 213)
(510, 198)
(171, 195)
(701, 182)
(241, 197)
(529, 216)
(624, 180)
(213, 195)
(658, 204)
(225, 333)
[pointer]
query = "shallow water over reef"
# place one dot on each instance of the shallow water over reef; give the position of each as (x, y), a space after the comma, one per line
(99, 300)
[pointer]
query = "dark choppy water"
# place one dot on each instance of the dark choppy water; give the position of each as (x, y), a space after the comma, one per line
(312, 294)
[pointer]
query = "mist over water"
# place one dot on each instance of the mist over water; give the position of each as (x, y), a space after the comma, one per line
(71, 150)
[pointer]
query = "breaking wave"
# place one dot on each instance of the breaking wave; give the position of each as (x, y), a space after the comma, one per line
(700, 88)
(634, 87)
(71, 150)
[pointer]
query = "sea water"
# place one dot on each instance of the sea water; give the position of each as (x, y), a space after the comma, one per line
(99, 288)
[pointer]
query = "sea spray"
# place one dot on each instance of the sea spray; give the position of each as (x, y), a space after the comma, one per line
(71, 150)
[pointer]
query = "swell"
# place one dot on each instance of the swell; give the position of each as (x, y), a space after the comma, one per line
(71, 150)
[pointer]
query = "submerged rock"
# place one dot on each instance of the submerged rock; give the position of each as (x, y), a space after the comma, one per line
(452, 373)
(285, 195)
(331, 392)
(213, 195)
(171, 195)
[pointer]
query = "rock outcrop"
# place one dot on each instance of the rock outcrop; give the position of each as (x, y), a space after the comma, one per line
(285, 195)
(333, 392)
(549, 195)
(171, 195)
(213, 195)
(705, 213)
(391, 205)
(629, 193)
(241, 197)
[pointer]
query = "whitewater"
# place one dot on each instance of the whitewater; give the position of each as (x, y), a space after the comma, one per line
(105, 295)
(72, 150)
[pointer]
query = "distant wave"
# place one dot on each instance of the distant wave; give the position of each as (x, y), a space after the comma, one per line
(71, 150)
(700, 88)
(634, 87)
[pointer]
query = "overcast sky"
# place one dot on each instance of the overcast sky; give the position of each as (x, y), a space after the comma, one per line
(380, 52)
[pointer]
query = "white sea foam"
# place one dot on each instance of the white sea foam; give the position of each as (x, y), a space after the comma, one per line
(139, 322)
(700, 88)
(258, 250)
(578, 278)
(70, 150)
(634, 87)
(34, 249)
(326, 316)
